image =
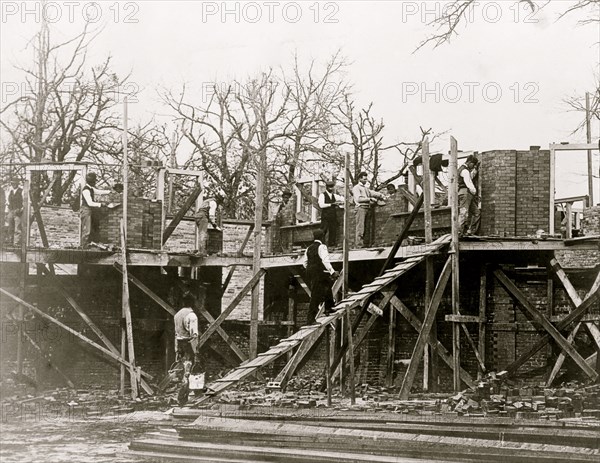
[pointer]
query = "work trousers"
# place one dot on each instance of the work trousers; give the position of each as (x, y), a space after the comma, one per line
(329, 226)
(202, 223)
(469, 215)
(362, 214)
(320, 291)
(89, 225)
(14, 225)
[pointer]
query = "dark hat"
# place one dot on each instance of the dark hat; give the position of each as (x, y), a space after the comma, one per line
(362, 174)
(318, 234)
(330, 183)
(287, 193)
(91, 177)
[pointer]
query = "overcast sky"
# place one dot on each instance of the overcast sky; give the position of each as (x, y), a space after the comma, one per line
(498, 85)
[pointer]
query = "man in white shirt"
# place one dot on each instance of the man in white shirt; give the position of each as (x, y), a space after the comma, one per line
(89, 208)
(329, 203)
(364, 199)
(205, 215)
(320, 276)
(186, 340)
(469, 215)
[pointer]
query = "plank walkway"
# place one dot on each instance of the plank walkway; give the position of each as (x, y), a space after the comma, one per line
(352, 301)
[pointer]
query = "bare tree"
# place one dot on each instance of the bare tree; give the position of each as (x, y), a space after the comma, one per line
(456, 13)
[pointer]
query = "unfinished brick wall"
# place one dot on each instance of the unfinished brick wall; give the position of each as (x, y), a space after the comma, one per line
(515, 193)
(590, 225)
(144, 220)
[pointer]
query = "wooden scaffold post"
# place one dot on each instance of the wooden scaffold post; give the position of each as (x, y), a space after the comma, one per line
(455, 260)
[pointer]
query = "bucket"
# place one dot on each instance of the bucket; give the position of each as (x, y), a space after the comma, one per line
(196, 382)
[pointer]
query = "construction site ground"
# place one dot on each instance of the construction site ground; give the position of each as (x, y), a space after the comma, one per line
(250, 423)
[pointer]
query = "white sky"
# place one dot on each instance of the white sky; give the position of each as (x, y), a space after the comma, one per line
(535, 62)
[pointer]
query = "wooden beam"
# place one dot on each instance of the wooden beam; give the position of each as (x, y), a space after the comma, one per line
(221, 332)
(561, 357)
(439, 348)
(346, 239)
(47, 358)
(70, 330)
(462, 318)
(147, 291)
(518, 295)
(574, 298)
(391, 352)
(350, 357)
(181, 213)
(291, 315)
(300, 280)
(423, 337)
(127, 315)
(427, 197)
(232, 305)
(474, 347)
(328, 365)
(454, 249)
(305, 347)
(482, 313)
(411, 198)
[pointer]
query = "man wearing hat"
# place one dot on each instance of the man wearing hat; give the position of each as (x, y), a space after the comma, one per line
(329, 203)
(364, 199)
(88, 211)
(281, 219)
(469, 215)
(15, 211)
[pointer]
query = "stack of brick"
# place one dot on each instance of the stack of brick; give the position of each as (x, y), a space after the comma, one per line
(590, 223)
(515, 195)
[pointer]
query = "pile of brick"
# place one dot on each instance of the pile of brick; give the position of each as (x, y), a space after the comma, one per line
(570, 401)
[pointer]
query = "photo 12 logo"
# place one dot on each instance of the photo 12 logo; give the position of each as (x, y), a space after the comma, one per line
(270, 12)
(469, 92)
(428, 12)
(55, 12)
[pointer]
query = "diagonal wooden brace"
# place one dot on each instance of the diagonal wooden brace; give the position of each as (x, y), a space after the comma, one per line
(539, 317)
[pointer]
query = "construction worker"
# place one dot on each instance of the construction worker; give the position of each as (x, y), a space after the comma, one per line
(281, 219)
(469, 215)
(186, 341)
(329, 203)
(205, 215)
(15, 211)
(89, 209)
(391, 190)
(364, 200)
(320, 276)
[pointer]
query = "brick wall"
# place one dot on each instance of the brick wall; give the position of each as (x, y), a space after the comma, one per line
(61, 225)
(590, 225)
(515, 192)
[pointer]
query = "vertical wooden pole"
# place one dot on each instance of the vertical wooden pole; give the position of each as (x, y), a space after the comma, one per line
(125, 174)
(24, 268)
(291, 314)
(454, 246)
(552, 187)
(482, 315)
(258, 212)
(569, 224)
(328, 364)
(391, 354)
(588, 132)
(346, 243)
(428, 361)
(173, 164)
(350, 358)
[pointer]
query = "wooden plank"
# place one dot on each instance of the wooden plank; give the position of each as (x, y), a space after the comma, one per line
(232, 305)
(290, 367)
(423, 337)
(482, 312)
(70, 330)
(575, 299)
(391, 352)
(462, 318)
(429, 277)
(181, 213)
(474, 347)
(147, 291)
(350, 358)
(518, 295)
(127, 314)
(328, 365)
(561, 357)
(439, 348)
(302, 283)
(454, 249)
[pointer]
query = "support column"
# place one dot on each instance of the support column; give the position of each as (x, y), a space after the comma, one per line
(454, 246)
(482, 316)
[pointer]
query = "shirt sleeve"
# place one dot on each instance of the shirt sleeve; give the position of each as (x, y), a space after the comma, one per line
(98, 191)
(322, 203)
(88, 199)
(192, 325)
(466, 176)
(212, 209)
(305, 263)
(324, 255)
